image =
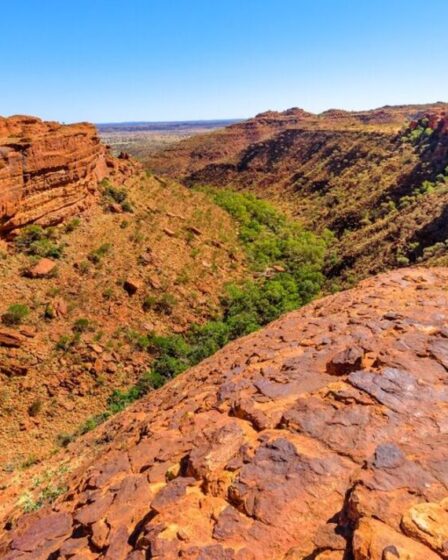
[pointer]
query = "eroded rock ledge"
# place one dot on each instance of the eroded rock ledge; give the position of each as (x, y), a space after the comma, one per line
(323, 436)
(49, 171)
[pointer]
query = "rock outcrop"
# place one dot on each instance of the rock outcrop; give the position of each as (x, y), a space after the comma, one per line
(49, 171)
(323, 436)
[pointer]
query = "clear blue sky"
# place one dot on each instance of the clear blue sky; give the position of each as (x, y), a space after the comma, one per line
(121, 60)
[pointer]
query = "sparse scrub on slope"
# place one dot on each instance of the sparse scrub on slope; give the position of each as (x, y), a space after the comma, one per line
(287, 263)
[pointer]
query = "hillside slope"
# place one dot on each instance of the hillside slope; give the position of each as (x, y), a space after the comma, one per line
(120, 276)
(94, 255)
(377, 179)
(322, 436)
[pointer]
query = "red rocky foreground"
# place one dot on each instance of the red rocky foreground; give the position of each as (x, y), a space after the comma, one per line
(323, 436)
(49, 171)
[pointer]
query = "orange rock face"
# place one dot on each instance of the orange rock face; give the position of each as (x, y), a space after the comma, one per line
(48, 171)
(322, 436)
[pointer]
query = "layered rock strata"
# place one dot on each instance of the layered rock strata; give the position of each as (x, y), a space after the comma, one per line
(49, 171)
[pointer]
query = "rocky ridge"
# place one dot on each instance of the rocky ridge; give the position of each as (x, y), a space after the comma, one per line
(225, 148)
(377, 179)
(322, 437)
(49, 171)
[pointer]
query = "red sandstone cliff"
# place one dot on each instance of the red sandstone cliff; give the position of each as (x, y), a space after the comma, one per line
(323, 436)
(48, 171)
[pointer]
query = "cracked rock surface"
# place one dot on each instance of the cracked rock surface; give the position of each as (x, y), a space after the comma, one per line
(323, 436)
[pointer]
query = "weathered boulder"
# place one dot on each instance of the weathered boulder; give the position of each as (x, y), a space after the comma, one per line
(373, 540)
(428, 523)
(10, 338)
(132, 285)
(43, 268)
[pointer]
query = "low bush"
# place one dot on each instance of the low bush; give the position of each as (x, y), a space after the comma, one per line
(119, 196)
(66, 342)
(160, 304)
(35, 407)
(97, 255)
(140, 341)
(35, 240)
(126, 206)
(82, 325)
(15, 314)
(115, 194)
(72, 225)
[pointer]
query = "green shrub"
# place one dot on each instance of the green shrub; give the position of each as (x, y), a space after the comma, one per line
(126, 206)
(49, 494)
(28, 235)
(92, 422)
(96, 256)
(140, 341)
(64, 343)
(115, 194)
(82, 325)
(35, 407)
(49, 312)
(162, 304)
(151, 380)
(149, 303)
(119, 400)
(84, 267)
(15, 314)
(108, 293)
(46, 248)
(34, 240)
(72, 225)
(64, 439)
(183, 277)
(29, 461)
(402, 260)
(406, 201)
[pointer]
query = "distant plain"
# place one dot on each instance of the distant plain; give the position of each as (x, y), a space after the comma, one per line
(142, 138)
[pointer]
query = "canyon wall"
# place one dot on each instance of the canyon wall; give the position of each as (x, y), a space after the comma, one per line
(377, 179)
(49, 171)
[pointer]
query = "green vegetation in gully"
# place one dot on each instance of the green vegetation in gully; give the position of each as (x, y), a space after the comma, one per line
(287, 263)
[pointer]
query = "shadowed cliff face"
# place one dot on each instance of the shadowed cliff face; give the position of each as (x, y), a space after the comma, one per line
(322, 436)
(362, 175)
(50, 171)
